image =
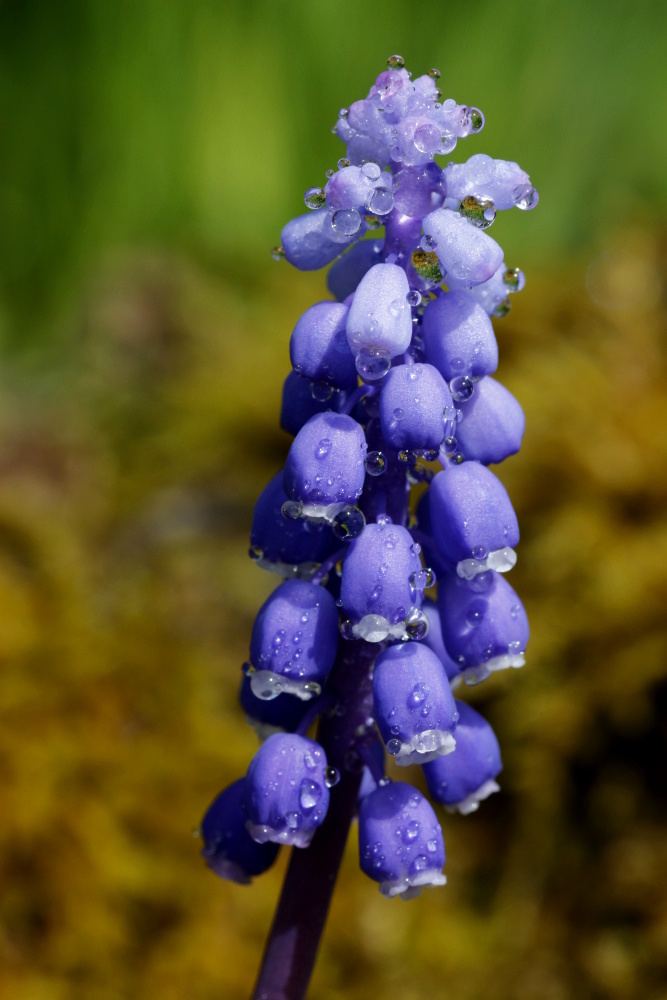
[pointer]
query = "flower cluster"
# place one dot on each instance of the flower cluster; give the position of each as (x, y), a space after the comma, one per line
(391, 399)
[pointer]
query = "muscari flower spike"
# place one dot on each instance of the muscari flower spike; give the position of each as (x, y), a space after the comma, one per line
(391, 386)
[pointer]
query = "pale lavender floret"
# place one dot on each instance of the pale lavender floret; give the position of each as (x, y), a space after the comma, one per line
(471, 515)
(309, 242)
(458, 336)
(380, 316)
(418, 190)
(413, 704)
(463, 779)
(325, 464)
(319, 349)
(365, 189)
(294, 641)
(500, 181)
(400, 840)
(467, 255)
(412, 401)
(484, 624)
(433, 639)
(492, 424)
(285, 794)
(381, 576)
(491, 294)
(345, 274)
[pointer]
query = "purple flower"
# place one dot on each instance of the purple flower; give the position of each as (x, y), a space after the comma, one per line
(228, 849)
(466, 777)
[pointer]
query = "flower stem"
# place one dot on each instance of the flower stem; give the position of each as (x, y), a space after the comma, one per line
(302, 910)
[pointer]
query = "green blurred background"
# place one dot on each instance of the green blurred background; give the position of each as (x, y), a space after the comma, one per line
(151, 152)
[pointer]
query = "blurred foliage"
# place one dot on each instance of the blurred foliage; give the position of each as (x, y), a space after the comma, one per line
(151, 152)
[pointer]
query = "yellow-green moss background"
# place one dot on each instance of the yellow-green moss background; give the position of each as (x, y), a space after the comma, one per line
(150, 152)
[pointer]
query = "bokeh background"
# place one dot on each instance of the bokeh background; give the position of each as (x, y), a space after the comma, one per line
(151, 152)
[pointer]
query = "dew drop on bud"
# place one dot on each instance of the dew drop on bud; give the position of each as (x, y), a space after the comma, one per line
(434, 74)
(376, 463)
(428, 243)
(255, 552)
(502, 309)
(461, 388)
(373, 363)
(414, 298)
(292, 510)
(348, 523)
(346, 222)
(395, 62)
(329, 172)
(315, 198)
(525, 197)
(343, 113)
(331, 776)
(476, 119)
(393, 747)
(278, 253)
(480, 213)
(321, 391)
(371, 170)
(381, 201)
(310, 794)
(511, 278)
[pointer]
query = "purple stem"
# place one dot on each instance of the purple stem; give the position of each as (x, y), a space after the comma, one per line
(302, 910)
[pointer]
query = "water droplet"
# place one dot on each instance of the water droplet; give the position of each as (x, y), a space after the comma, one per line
(428, 244)
(292, 510)
(328, 173)
(310, 793)
(381, 201)
(417, 696)
(323, 448)
(502, 309)
(331, 776)
(515, 611)
(346, 222)
(415, 548)
(255, 552)
(414, 298)
(348, 523)
(417, 626)
(397, 413)
(434, 74)
(476, 119)
(419, 864)
(427, 265)
(315, 198)
(511, 278)
(479, 552)
(395, 62)
(321, 391)
(343, 162)
(394, 747)
(278, 253)
(373, 363)
(293, 820)
(411, 831)
(461, 388)
(371, 170)
(376, 463)
(312, 688)
(525, 197)
(475, 211)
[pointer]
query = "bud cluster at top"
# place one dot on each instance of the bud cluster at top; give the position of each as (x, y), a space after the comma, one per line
(393, 407)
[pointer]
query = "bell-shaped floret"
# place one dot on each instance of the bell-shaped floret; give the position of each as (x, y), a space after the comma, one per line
(286, 790)
(434, 641)
(466, 254)
(493, 295)
(325, 465)
(345, 274)
(380, 318)
(382, 585)
(281, 714)
(400, 840)
(458, 337)
(500, 181)
(318, 346)
(310, 241)
(492, 425)
(229, 850)
(484, 624)
(473, 521)
(287, 547)
(413, 704)
(294, 641)
(412, 402)
(299, 404)
(466, 777)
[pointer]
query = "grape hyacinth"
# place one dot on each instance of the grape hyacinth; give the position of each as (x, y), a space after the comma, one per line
(395, 418)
